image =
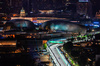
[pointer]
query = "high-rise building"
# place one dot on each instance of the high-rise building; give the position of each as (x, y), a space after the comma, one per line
(27, 5)
(42, 4)
(15, 6)
(84, 7)
(10, 6)
(71, 5)
(4, 6)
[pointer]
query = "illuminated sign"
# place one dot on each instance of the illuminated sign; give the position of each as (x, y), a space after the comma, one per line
(83, 0)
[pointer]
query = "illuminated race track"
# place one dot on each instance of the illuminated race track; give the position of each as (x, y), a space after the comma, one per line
(57, 56)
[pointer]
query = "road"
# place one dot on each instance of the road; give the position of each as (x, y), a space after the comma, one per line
(60, 58)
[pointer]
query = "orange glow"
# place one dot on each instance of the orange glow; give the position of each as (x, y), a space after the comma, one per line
(15, 15)
(18, 51)
(5, 18)
(7, 42)
(13, 36)
(44, 41)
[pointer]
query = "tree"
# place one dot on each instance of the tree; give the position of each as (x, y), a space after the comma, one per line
(45, 46)
(71, 39)
(83, 60)
(75, 53)
(68, 46)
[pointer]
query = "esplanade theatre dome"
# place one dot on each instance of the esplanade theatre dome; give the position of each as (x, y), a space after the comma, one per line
(62, 25)
(19, 25)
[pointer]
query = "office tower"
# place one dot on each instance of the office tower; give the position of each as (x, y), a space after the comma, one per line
(71, 5)
(4, 6)
(43, 4)
(15, 6)
(27, 5)
(84, 7)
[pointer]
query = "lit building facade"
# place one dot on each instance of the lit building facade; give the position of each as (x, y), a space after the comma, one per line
(19, 25)
(37, 19)
(84, 7)
(7, 46)
(97, 15)
(48, 4)
(62, 25)
(46, 11)
(22, 13)
(42, 4)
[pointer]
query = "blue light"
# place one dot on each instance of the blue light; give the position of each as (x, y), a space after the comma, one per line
(40, 23)
(1, 37)
(86, 24)
(34, 21)
(31, 12)
(24, 24)
(95, 22)
(96, 26)
(91, 25)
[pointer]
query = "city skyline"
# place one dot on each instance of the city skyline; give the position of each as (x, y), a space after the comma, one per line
(49, 33)
(41, 4)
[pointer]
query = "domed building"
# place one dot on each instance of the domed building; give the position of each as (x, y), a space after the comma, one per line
(22, 13)
(19, 25)
(62, 25)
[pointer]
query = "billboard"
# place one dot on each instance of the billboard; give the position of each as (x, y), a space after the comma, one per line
(83, 0)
